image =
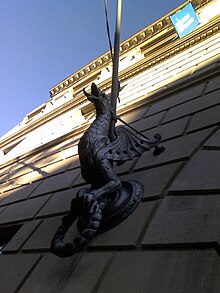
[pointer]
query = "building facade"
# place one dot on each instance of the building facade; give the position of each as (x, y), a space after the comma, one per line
(170, 243)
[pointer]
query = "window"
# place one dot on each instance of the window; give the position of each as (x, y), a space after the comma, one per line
(6, 234)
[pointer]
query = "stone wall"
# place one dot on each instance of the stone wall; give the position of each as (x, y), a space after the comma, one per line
(171, 241)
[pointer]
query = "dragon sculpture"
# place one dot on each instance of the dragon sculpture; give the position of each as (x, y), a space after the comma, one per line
(108, 201)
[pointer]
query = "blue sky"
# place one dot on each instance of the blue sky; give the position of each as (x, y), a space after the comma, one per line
(44, 41)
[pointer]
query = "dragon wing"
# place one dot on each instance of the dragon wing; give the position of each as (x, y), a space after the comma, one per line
(127, 145)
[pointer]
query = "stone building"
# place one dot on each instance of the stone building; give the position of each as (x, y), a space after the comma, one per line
(170, 243)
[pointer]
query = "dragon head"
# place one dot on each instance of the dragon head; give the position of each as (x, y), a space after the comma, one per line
(98, 98)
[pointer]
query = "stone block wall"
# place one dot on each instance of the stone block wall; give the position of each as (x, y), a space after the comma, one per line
(171, 241)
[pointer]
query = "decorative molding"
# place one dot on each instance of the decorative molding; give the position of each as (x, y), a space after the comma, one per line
(174, 50)
(169, 51)
(139, 38)
(165, 52)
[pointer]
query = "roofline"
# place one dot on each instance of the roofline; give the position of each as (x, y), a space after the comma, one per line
(149, 32)
(158, 56)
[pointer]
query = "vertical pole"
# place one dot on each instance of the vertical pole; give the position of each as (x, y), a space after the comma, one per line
(115, 83)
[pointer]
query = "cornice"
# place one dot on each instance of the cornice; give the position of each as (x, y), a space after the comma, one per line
(149, 32)
(151, 60)
(42, 120)
(166, 52)
(173, 49)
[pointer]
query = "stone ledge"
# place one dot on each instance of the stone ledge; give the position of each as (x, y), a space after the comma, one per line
(163, 271)
(170, 130)
(185, 220)
(127, 234)
(204, 119)
(213, 143)
(180, 97)
(155, 180)
(19, 267)
(56, 182)
(22, 211)
(200, 175)
(80, 273)
(21, 237)
(178, 149)
(192, 106)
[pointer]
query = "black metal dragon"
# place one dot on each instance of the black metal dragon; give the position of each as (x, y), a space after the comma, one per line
(108, 201)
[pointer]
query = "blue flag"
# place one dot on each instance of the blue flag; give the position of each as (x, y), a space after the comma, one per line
(185, 20)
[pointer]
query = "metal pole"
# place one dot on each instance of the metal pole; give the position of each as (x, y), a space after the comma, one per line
(115, 83)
